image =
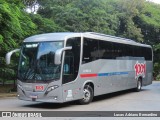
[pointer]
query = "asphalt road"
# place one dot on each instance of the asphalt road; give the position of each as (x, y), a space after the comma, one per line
(146, 100)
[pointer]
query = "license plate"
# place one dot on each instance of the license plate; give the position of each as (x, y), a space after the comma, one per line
(33, 96)
(39, 87)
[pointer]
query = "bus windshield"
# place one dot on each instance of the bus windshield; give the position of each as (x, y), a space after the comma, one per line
(37, 62)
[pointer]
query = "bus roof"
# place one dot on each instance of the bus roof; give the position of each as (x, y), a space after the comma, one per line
(48, 37)
(60, 36)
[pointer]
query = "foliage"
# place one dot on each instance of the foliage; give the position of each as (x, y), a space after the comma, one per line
(15, 24)
(78, 15)
(45, 25)
(128, 10)
(158, 77)
(157, 60)
(135, 19)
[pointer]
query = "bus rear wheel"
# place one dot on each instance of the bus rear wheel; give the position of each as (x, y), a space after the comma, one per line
(87, 95)
(139, 85)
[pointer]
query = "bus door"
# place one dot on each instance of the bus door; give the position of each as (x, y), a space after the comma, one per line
(70, 70)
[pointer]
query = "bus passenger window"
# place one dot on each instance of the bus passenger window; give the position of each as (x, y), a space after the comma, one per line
(90, 50)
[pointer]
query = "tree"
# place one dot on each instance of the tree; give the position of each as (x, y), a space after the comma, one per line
(78, 15)
(15, 24)
(128, 11)
(45, 25)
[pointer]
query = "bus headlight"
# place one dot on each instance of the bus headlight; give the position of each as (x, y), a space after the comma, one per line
(51, 88)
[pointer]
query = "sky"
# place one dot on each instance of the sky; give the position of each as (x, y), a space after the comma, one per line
(155, 1)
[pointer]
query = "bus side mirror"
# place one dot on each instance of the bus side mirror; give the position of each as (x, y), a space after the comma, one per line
(58, 54)
(9, 54)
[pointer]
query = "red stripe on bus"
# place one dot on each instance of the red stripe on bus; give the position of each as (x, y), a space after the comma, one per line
(88, 75)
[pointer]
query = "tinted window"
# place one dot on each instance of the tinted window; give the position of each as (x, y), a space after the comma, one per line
(105, 50)
(90, 50)
(144, 52)
(137, 51)
(111, 50)
(128, 50)
(147, 53)
(99, 49)
(71, 60)
(117, 51)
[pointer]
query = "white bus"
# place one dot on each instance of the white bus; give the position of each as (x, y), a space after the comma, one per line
(62, 67)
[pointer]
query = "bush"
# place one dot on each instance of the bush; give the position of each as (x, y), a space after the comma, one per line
(158, 77)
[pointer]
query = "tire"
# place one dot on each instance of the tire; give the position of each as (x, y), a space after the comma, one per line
(139, 85)
(87, 95)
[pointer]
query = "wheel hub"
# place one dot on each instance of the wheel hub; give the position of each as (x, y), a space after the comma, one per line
(86, 95)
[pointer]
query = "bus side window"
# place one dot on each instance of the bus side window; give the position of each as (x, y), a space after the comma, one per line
(90, 50)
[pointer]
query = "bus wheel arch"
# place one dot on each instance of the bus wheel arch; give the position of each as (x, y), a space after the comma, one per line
(90, 84)
(88, 93)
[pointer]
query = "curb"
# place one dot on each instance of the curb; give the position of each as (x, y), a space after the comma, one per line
(6, 95)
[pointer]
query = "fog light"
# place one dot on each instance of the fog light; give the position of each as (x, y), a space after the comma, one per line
(55, 97)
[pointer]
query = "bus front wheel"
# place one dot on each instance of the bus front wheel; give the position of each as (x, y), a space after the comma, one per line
(87, 95)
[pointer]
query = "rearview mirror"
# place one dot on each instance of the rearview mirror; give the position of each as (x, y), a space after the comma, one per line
(9, 54)
(58, 54)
